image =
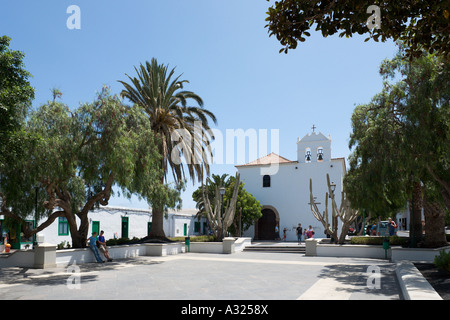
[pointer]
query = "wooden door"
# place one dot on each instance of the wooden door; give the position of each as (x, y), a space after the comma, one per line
(266, 225)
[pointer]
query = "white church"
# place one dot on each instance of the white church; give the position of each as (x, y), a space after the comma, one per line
(284, 194)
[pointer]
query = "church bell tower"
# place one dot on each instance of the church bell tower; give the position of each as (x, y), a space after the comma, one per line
(314, 147)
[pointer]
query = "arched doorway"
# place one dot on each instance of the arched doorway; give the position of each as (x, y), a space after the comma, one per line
(265, 226)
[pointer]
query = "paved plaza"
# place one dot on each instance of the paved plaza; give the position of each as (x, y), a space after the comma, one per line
(197, 276)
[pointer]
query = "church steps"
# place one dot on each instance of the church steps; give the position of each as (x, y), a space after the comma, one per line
(276, 248)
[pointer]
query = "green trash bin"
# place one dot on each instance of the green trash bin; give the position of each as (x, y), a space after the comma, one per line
(386, 246)
(187, 242)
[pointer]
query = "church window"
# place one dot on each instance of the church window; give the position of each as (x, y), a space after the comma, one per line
(308, 155)
(266, 181)
(320, 154)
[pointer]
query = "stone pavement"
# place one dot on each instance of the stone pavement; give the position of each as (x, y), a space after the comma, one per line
(200, 276)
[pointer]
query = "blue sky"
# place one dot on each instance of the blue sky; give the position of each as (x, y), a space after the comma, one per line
(221, 47)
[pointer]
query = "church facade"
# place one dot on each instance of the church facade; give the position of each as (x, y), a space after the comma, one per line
(284, 194)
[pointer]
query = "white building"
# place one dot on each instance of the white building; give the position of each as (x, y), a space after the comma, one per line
(116, 222)
(285, 195)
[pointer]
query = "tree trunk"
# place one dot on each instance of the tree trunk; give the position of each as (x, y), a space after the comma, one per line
(157, 231)
(434, 213)
(446, 197)
(78, 239)
(415, 229)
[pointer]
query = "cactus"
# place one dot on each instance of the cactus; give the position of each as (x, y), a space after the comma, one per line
(219, 222)
(345, 213)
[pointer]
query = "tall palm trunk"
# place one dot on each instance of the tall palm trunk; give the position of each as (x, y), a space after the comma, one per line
(434, 213)
(157, 230)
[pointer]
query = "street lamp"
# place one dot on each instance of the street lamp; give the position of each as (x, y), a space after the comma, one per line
(333, 218)
(332, 187)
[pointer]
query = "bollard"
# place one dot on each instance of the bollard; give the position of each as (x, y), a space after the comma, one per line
(187, 242)
(386, 246)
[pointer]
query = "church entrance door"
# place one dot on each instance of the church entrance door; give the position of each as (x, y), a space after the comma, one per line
(266, 225)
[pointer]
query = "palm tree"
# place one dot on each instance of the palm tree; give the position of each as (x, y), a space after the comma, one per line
(182, 131)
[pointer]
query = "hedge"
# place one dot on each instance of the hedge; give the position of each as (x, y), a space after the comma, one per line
(393, 240)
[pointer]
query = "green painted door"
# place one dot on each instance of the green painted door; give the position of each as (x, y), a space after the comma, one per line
(185, 229)
(96, 227)
(124, 227)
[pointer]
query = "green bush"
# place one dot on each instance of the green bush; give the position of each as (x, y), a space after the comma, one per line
(442, 261)
(115, 242)
(204, 238)
(393, 240)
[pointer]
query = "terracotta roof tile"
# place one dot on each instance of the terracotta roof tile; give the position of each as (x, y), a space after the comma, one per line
(269, 159)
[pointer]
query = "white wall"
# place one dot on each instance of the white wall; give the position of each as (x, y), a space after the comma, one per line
(110, 219)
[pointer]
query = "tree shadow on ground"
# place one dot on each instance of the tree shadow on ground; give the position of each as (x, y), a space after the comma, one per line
(59, 276)
(360, 278)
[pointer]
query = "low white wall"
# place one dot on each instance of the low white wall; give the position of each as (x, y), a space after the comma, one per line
(314, 247)
(416, 254)
(23, 259)
(67, 257)
(352, 251)
(85, 255)
(241, 243)
(206, 247)
(230, 245)
(164, 249)
(412, 283)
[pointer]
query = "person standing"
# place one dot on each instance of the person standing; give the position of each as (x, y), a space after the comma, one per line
(391, 226)
(93, 246)
(310, 232)
(277, 232)
(299, 233)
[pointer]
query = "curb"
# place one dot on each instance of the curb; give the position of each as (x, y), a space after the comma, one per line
(413, 284)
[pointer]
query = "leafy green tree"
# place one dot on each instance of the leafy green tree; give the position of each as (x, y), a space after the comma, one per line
(78, 157)
(419, 24)
(248, 209)
(401, 143)
(182, 131)
(16, 95)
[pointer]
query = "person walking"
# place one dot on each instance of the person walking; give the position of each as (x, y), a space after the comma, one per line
(93, 246)
(299, 233)
(102, 246)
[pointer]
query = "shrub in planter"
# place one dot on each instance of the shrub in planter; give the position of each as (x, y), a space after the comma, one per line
(367, 240)
(122, 241)
(111, 242)
(442, 261)
(393, 240)
(116, 242)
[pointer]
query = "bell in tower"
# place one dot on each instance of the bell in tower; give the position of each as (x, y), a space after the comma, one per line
(308, 156)
(320, 154)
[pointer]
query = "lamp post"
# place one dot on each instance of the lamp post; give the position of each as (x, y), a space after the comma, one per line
(332, 187)
(333, 222)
